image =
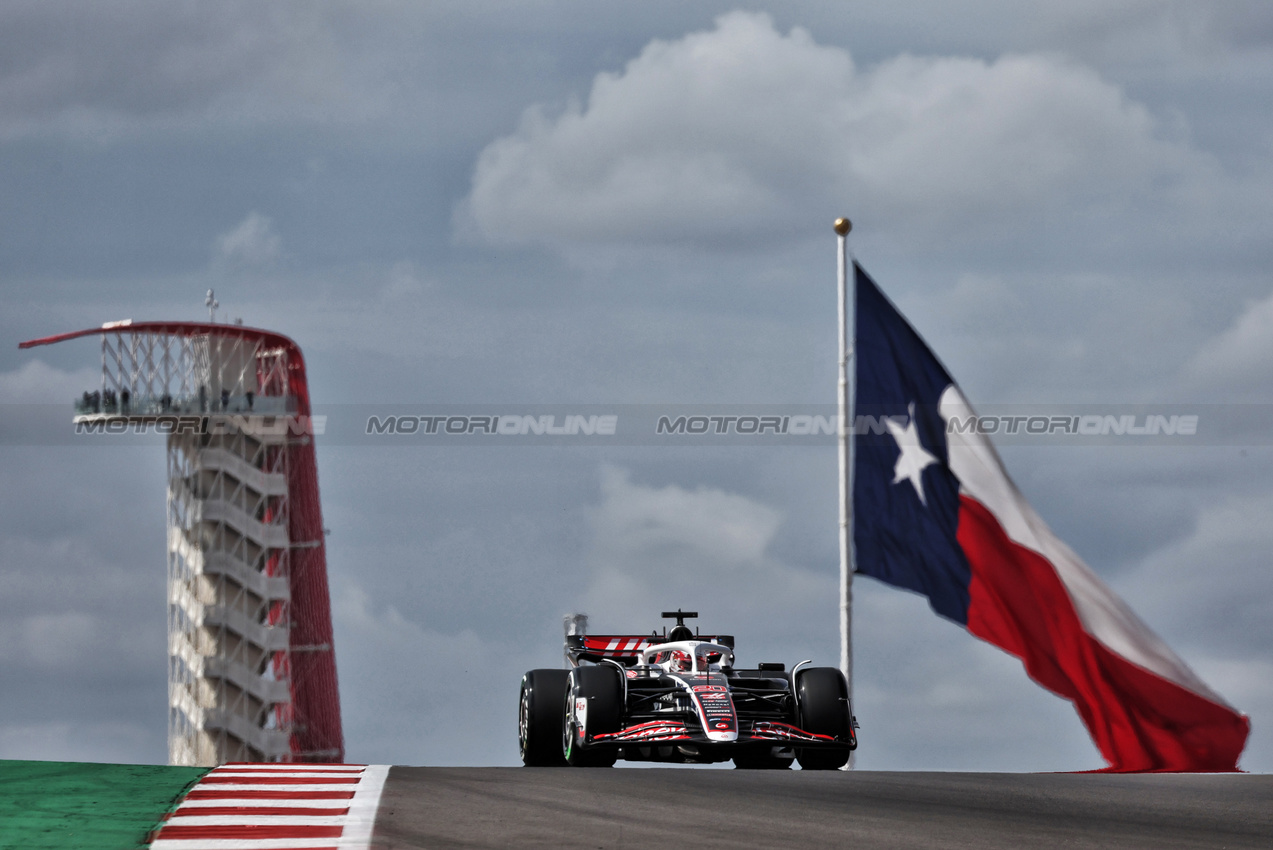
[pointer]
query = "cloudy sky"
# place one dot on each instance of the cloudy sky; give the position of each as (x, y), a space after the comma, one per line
(608, 203)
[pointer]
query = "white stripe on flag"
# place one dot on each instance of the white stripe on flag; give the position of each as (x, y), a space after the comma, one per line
(1105, 617)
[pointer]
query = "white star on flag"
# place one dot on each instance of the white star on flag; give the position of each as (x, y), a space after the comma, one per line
(914, 457)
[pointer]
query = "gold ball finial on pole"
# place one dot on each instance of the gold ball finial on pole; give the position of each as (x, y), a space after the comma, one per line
(843, 226)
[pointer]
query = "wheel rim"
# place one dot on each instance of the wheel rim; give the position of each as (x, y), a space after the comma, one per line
(568, 723)
(523, 723)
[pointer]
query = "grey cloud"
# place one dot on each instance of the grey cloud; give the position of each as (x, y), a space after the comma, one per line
(1235, 362)
(1214, 588)
(93, 68)
(86, 740)
(657, 548)
(37, 382)
(82, 617)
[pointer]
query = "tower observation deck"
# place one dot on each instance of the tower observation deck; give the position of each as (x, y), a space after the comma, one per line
(251, 665)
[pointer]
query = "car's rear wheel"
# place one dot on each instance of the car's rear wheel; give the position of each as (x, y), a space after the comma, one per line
(601, 694)
(823, 697)
(539, 718)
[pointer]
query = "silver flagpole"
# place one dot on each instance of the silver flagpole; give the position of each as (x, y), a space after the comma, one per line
(842, 228)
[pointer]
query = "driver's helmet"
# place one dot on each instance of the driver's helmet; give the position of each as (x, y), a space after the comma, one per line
(679, 662)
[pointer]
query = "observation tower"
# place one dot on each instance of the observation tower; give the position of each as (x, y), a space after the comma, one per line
(251, 666)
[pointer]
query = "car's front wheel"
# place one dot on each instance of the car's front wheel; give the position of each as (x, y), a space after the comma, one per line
(823, 697)
(539, 718)
(594, 705)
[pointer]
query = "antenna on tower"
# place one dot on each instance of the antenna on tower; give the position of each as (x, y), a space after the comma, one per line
(212, 304)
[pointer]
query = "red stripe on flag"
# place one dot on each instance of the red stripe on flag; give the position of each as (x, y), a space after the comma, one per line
(236, 794)
(250, 831)
(1139, 721)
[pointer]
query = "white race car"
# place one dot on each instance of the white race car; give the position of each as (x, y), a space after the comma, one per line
(677, 697)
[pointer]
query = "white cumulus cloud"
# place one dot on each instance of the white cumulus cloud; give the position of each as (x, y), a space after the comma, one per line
(250, 244)
(742, 133)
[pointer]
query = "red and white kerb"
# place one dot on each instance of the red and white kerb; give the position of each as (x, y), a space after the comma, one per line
(277, 807)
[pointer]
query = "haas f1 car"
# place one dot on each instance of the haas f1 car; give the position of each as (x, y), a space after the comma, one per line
(677, 697)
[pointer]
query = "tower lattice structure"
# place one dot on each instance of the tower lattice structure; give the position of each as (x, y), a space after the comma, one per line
(251, 664)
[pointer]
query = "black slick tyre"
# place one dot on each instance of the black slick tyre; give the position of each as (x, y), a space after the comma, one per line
(823, 699)
(539, 716)
(601, 690)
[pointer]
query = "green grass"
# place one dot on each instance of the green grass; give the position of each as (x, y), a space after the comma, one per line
(68, 806)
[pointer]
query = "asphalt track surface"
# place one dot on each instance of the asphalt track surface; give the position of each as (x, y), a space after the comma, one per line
(675, 808)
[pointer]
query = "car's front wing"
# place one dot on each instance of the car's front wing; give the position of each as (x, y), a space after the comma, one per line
(761, 732)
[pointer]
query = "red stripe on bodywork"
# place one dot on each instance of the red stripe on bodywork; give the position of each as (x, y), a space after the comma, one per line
(649, 731)
(770, 730)
(1139, 721)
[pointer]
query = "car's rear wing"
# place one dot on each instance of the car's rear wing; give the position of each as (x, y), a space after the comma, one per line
(625, 649)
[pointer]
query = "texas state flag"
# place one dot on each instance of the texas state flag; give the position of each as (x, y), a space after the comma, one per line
(935, 512)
